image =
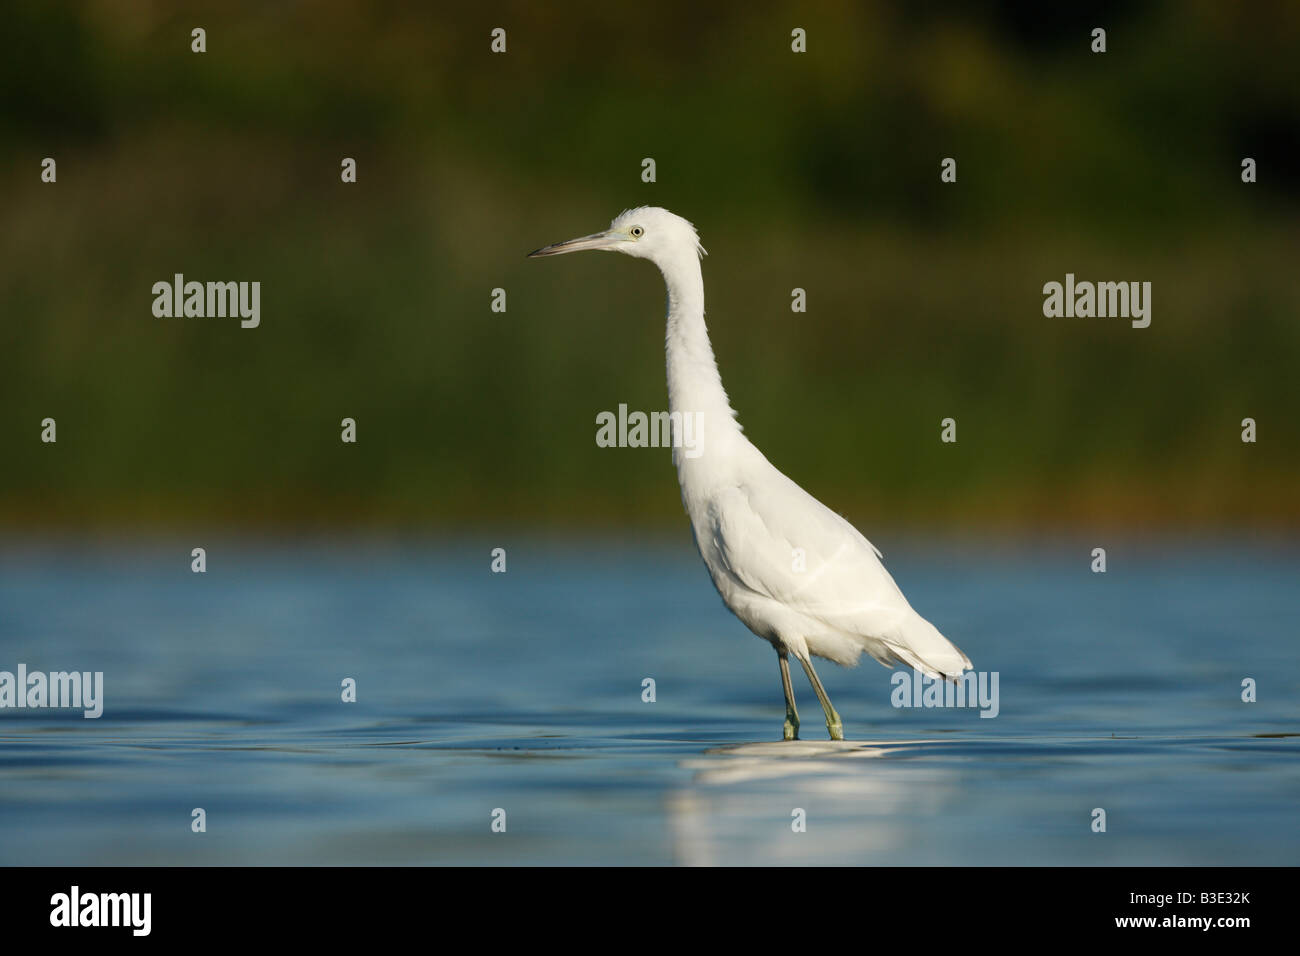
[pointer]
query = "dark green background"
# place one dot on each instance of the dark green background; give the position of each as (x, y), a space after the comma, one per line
(818, 170)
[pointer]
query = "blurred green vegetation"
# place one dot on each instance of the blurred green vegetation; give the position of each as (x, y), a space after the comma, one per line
(818, 170)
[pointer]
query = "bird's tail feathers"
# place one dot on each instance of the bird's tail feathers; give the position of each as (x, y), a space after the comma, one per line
(921, 646)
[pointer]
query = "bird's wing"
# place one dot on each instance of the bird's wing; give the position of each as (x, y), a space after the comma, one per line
(781, 542)
(775, 540)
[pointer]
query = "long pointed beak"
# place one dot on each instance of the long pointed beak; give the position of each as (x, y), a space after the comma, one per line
(597, 240)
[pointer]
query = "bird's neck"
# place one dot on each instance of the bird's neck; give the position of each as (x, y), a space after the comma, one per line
(694, 384)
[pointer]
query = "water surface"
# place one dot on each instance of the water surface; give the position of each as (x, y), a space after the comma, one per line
(523, 692)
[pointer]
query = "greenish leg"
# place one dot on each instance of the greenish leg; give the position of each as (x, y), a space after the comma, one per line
(833, 724)
(791, 712)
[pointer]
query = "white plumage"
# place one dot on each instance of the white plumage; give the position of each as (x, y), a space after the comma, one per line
(795, 572)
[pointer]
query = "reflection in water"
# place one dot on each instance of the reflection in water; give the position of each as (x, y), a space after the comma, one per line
(741, 806)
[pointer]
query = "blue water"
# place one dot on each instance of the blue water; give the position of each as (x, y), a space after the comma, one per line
(522, 692)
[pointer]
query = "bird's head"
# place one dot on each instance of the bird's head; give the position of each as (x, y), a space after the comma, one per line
(646, 232)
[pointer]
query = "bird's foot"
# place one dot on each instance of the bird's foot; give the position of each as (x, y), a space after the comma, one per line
(836, 729)
(791, 729)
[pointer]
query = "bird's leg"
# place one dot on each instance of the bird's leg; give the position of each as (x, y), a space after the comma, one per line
(833, 725)
(791, 730)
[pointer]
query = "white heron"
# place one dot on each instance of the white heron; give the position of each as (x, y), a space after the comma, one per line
(795, 572)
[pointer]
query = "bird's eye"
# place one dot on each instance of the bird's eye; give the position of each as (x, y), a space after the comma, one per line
(637, 232)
